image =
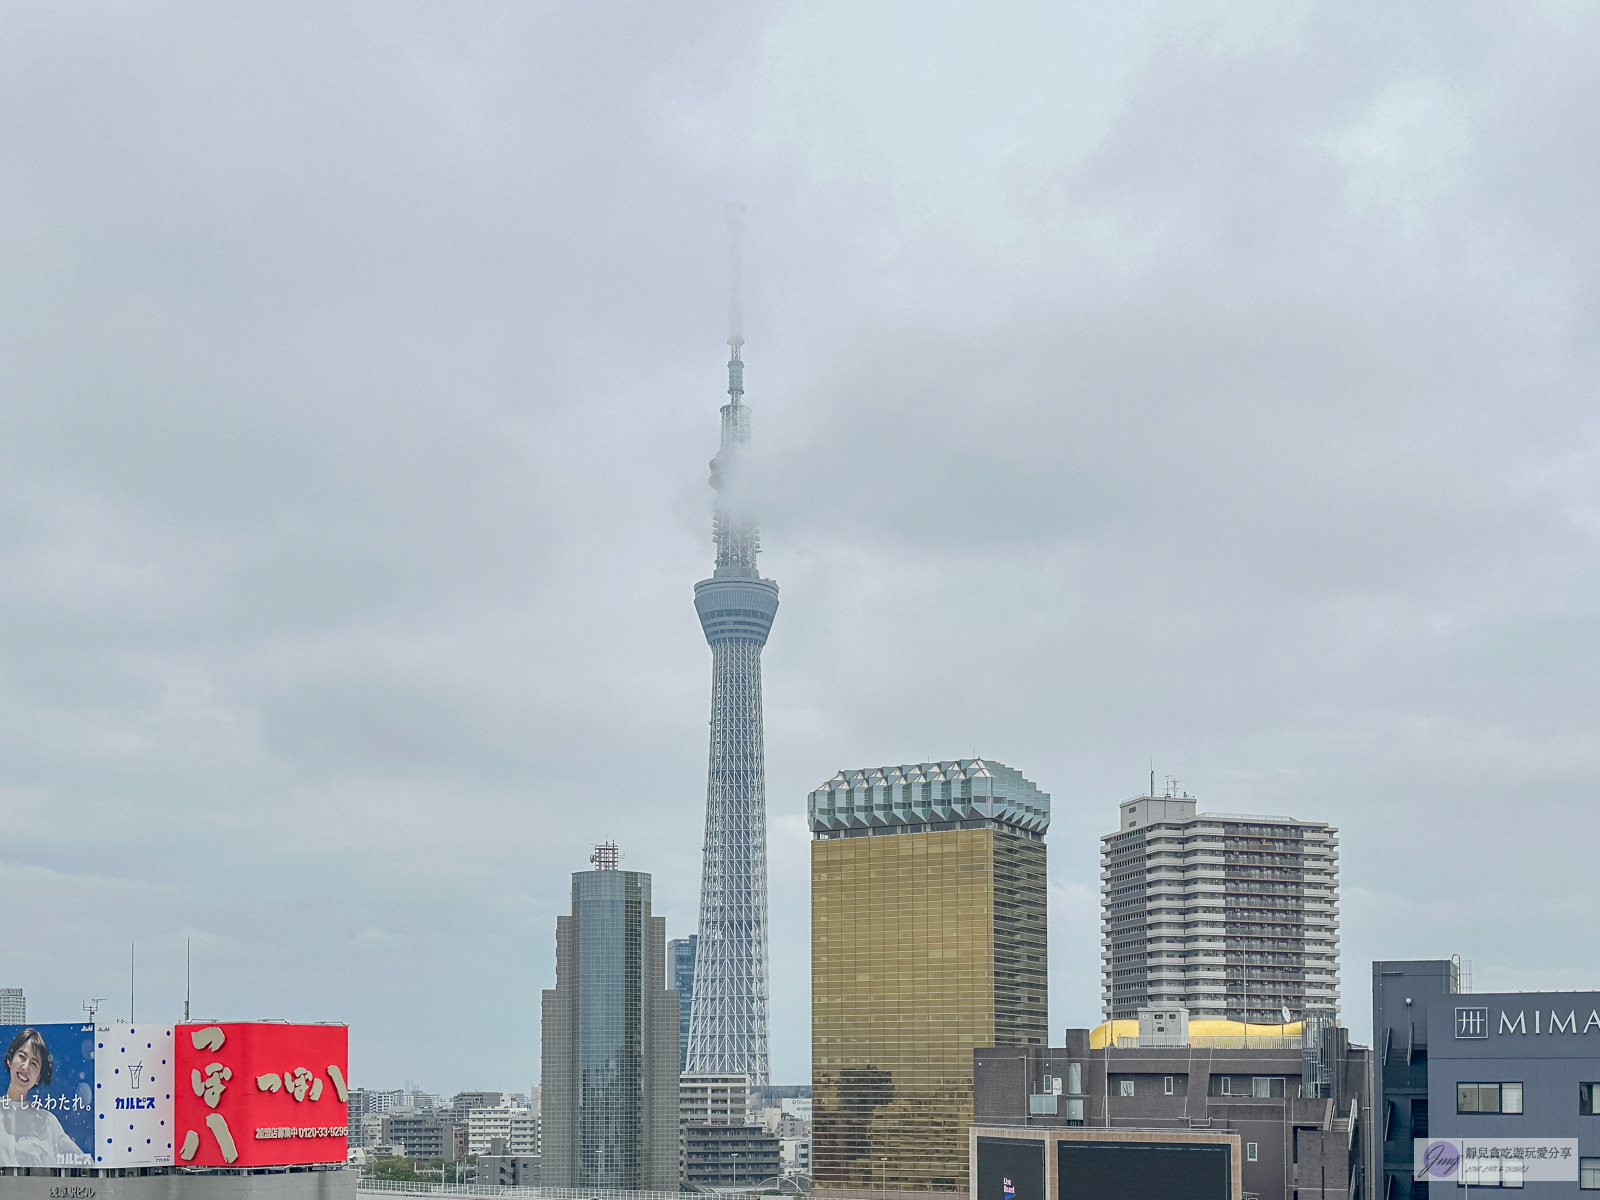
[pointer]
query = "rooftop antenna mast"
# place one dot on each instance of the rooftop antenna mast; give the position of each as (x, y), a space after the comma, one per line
(92, 1007)
(186, 943)
(736, 299)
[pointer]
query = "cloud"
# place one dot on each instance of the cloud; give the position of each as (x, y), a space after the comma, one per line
(1213, 384)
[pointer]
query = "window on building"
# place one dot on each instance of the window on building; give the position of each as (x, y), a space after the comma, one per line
(1589, 1174)
(1492, 1172)
(1588, 1093)
(1489, 1098)
(1250, 1152)
(1264, 1087)
(1167, 1085)
(1125, 1087)
(1075, 1079)
(1419, 1118)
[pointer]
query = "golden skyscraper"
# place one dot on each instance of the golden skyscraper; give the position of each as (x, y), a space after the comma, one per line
(928, 919)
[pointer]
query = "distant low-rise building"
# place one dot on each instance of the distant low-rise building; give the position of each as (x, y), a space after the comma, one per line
(365, 1131)
(508, 1170)
(795, 1154)
(713, 1099)
(498, 1167)
(730, 1156)
(423, 1134)
(1298, 1104)
(705, 1099)
(364, 1101)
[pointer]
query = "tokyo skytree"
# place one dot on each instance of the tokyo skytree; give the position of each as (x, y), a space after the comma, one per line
(728, 1012)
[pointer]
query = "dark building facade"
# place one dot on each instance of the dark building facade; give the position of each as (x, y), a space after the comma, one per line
(1489, 1089)
(610, 1039)
(729, 1156)
(1292, 1147)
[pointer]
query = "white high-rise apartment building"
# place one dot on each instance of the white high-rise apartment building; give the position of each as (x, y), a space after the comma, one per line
(518, 1126)
(711, 1099)
(1231, 916)
(13, 1006)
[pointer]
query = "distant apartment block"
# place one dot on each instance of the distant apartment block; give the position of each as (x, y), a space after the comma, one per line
(13, 1006)
(1234, 917)
(730, 1156)
(422, 1134)
(518, 1128)
(713, 1099)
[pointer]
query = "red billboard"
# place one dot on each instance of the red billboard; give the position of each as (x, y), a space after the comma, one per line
(260, 1094)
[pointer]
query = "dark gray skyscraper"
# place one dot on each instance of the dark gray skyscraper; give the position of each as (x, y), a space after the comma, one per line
(680, 977)
(609, 1081)
(728, 1016)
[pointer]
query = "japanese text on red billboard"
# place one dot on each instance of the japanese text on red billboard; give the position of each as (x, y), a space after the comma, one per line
(260, 1094)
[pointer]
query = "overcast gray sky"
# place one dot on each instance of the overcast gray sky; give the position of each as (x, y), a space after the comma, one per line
(1212, 382)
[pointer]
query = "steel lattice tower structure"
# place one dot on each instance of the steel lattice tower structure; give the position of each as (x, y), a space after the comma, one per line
(728, 1013)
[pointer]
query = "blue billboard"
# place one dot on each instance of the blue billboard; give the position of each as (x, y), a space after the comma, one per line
(47, 1111)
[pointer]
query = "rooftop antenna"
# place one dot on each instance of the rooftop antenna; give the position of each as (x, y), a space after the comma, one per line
(1152, 777)
(736, 298)
(92, 1007)
(186, 942)
(606, 856)
(130, 983)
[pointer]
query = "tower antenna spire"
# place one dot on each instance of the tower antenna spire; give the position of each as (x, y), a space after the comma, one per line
(735, 300)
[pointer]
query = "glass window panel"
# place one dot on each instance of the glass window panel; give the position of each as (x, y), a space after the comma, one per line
(1481, 1172)
(1586, 1099)
(1127, 1087)
(1466, 1097)
(1489, 1097)
(1511, 1097)
(1589, 1174)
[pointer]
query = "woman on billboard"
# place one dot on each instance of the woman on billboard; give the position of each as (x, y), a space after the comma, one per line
(30, 1136)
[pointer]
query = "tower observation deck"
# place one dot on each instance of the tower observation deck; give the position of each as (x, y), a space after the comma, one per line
(728, 1013)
